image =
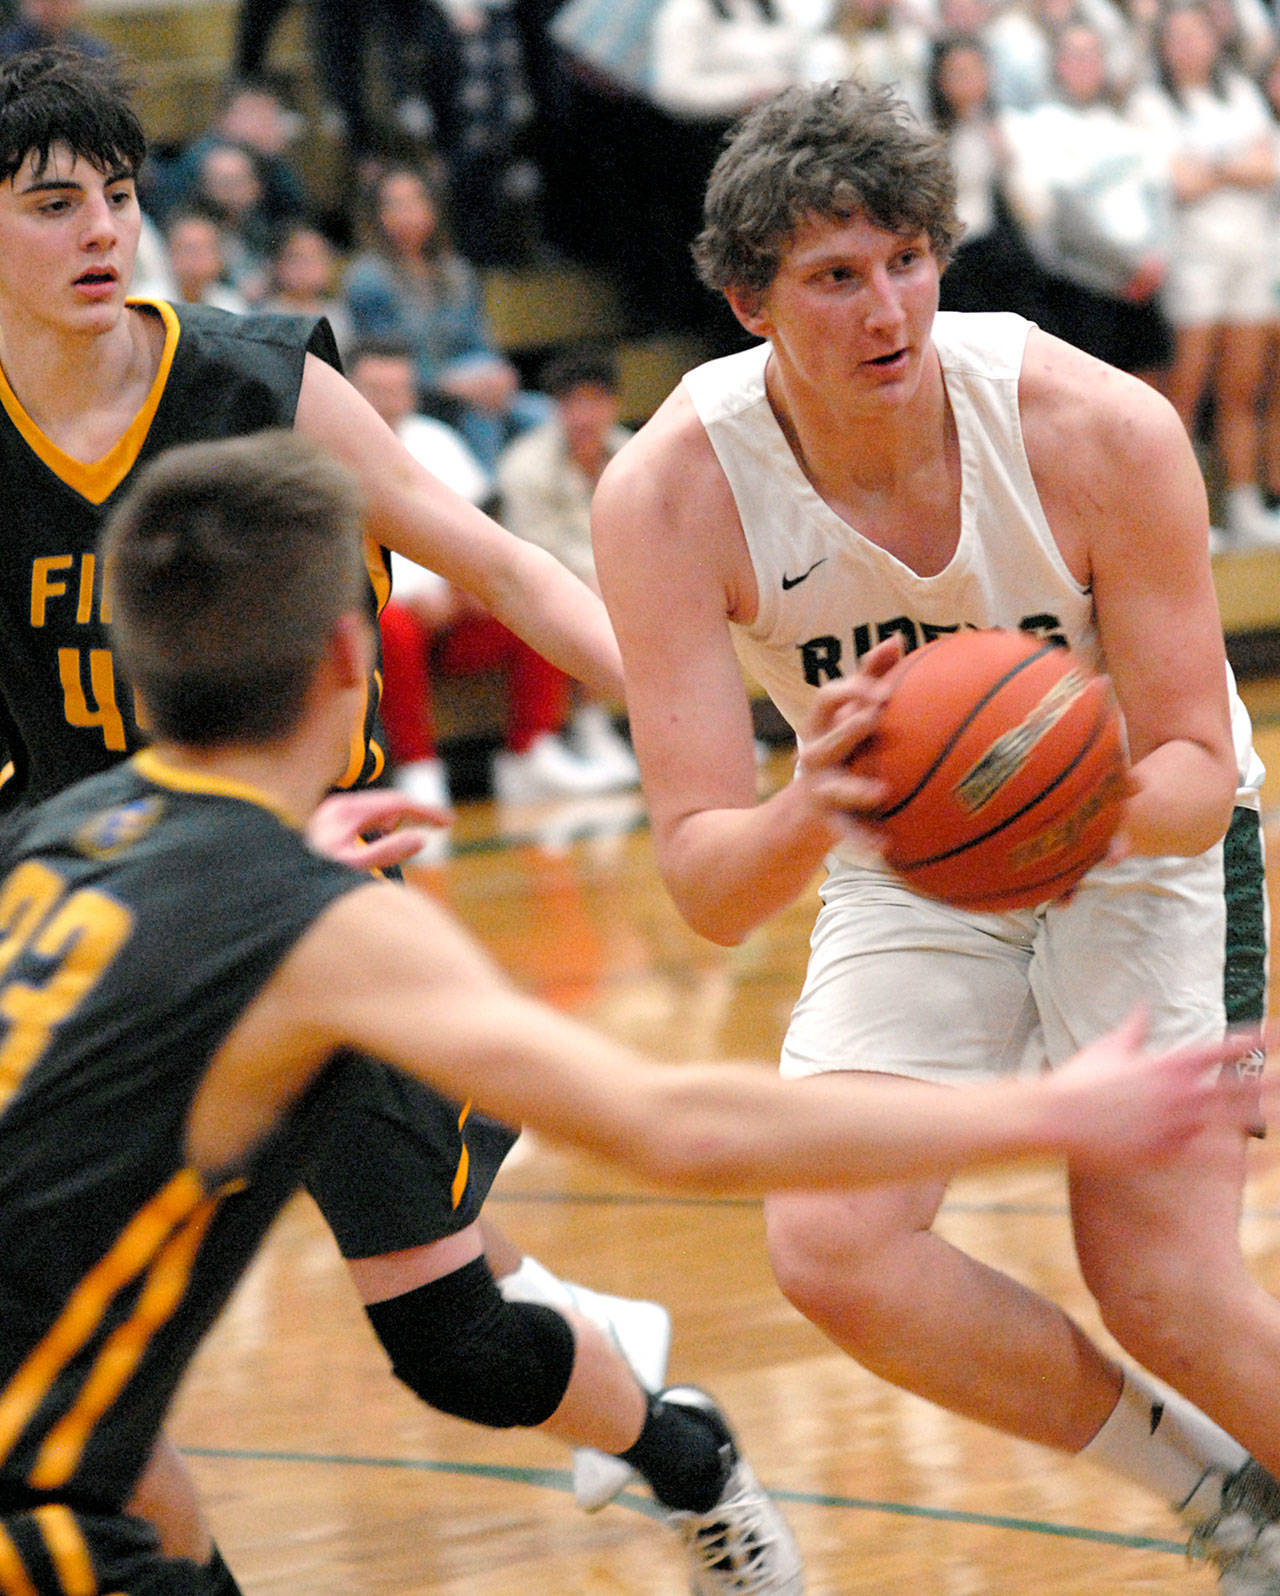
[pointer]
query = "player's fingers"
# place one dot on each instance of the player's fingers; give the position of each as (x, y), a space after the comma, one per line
(395, 848)
(1237, 1044)
(883, 657)
(829, 748)
(380, 809)
(846, 794)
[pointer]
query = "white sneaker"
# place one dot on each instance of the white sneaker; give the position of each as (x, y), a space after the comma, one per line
(641, 1331)
(742, 1546)
(426, 781)
(546, 769)
(1249, 524)
(1241, 1533)
(596, 740)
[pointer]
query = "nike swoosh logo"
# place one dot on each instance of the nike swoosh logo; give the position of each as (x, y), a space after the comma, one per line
(789, 582)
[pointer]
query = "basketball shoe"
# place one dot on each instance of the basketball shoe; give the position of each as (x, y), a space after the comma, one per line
(1241, 1533)
(641, 1331)
(741, 1546)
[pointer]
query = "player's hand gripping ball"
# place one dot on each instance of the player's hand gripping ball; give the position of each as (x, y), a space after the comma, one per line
(1006, 769)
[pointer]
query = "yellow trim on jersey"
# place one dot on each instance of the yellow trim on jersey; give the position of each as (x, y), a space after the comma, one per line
(122, 1351)
(68, 1551)
(98, 480)
(150, 765)
(379, 576)
(133, 1251)
(463, 1171)
(14, 1579)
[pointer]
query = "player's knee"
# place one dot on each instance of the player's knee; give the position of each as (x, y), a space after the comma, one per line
(466, 1351)
(845, 1283)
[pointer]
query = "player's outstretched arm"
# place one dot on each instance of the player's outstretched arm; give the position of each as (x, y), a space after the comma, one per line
(388, 972)
(415, 514)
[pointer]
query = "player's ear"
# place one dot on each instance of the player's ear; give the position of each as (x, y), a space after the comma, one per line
(351, 648)
(748, 306)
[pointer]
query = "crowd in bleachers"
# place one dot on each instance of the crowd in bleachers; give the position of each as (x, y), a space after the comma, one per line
(1118, 167)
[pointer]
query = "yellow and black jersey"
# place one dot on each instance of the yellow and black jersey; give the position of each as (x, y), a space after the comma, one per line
(143, 911)
(65, 709)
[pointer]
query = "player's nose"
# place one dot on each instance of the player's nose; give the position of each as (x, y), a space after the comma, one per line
(98, 222)
(884, 301)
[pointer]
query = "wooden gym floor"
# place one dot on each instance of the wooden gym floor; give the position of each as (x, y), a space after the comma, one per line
(324, 1478)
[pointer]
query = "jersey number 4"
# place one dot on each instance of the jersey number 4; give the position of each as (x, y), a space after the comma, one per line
(96, 706)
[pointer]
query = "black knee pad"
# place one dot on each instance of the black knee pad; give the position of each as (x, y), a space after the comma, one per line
(465, 1350)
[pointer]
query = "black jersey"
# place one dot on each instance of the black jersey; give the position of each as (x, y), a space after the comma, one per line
(65, 709)
(142, 912)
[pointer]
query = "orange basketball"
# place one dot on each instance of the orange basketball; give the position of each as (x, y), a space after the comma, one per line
(1006, 768)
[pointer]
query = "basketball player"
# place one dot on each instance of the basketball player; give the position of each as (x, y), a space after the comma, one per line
(868, 475)
(155, 1119)
(92, 387)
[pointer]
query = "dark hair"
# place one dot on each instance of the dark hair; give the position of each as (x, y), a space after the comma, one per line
(822, 150)
(590, 365)
(1218, 74)
(432, 184)
(378, 349)
(229, 564)
(58, 96)
(941, 112)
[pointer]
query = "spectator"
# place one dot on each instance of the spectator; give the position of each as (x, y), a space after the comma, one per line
(152, 275)
(41, 23)
(382, 371)
(1246, 31)
(194, 242)
(256, 23)
(992, 268)
(229, 189)
(1020, 36)
(1218, 294)
(713, 59)
(1092, 190)
(252, 115)
(419, 64)
(545, 482)
(410, 284)
(431, 627)
(494, 182)
(886, 42)
(303, 280)
(1269, 463)
(710, 60)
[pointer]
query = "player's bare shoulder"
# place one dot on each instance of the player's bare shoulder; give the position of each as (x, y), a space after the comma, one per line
(1077, 411)
(1093, 434)
(666, 478)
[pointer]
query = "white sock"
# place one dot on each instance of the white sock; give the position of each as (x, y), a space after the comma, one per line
(1158, 1440)
(534, 1282)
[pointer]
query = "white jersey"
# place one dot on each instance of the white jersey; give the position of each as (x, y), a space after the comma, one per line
(827, 594)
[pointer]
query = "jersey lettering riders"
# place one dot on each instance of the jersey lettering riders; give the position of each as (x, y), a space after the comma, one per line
(827, 594)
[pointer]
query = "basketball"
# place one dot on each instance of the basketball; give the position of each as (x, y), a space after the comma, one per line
(1005, 764)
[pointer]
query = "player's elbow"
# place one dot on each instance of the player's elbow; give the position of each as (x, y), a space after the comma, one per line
(718, 921)
(718, 910)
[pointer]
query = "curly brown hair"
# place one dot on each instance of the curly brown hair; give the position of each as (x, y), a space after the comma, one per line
(836, 150)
